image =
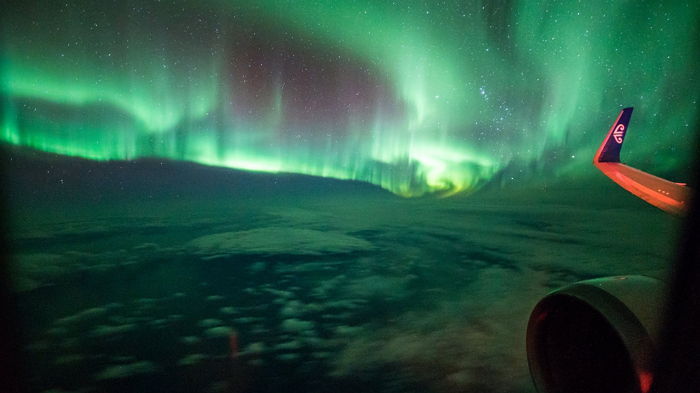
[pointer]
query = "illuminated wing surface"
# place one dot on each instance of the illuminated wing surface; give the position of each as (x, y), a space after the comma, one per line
(666, 195)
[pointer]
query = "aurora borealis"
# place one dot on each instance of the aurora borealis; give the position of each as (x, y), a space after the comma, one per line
(179, 217)
(417, 97)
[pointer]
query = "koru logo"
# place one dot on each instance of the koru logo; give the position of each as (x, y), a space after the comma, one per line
(619, 133)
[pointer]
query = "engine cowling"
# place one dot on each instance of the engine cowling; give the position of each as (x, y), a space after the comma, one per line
(596, 336)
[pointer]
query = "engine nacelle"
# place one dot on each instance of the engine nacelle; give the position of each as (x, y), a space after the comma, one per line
(596, 336)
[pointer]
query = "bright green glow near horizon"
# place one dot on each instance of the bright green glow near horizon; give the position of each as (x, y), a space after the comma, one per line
(470, 89)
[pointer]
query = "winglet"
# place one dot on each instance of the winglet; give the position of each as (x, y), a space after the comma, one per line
(609, 150)
(668, 196)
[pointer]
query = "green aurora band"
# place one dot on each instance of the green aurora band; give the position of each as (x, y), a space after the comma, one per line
(414, 97)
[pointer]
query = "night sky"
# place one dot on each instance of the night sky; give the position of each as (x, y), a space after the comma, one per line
(179, 212)
(416, 97)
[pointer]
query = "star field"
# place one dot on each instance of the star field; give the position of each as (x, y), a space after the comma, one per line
(416, 97)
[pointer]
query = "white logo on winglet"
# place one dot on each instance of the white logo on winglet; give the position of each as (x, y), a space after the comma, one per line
(619, 133)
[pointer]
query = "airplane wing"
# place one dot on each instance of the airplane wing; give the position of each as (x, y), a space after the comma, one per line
(666, 195)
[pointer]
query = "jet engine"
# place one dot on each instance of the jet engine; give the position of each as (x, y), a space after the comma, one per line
(596, 336)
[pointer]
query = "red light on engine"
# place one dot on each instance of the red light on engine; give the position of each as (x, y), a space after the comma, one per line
(645, 379)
